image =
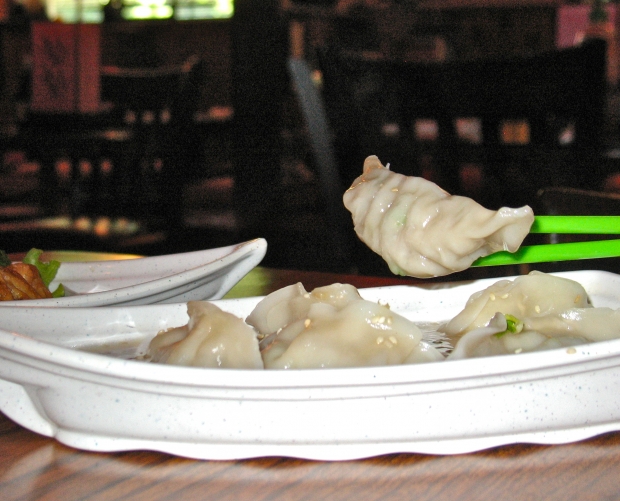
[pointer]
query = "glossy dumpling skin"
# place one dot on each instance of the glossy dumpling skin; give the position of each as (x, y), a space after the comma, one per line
(289, 304)
(212, 338)
(553, 312)
(569, 328)
(422, 231)
(334, 327)
(534, 295)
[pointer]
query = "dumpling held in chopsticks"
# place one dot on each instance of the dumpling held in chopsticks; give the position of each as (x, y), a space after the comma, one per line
(422, 231)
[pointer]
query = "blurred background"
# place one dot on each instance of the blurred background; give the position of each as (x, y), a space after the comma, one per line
(164, 126)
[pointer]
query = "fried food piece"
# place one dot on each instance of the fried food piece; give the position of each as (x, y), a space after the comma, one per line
(22, 281)
(5, 292)
(31, 274)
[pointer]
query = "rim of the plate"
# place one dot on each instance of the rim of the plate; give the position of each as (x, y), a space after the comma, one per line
(151, 287)
(93, 366)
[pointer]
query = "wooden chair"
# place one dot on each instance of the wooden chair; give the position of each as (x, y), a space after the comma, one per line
(497, 130)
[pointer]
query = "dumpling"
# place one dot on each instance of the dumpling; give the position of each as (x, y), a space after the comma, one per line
(422, 231)
(334, 327)
(534, 295)
(592, 324)
(569, 328)
(291, 303)
(212, 338)
(531, 313)
(497, 339)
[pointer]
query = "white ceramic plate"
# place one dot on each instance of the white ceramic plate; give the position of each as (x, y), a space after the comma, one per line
(51, 385)
(206, 274)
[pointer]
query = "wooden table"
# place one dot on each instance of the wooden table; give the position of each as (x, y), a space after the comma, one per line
(36, 467)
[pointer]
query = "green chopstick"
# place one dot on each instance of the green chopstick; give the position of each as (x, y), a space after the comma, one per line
(590, 225)
(572, 251)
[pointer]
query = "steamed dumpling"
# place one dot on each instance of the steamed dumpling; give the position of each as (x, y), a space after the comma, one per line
(422, 231)
(212, 338)
(592, 324)
(494, 339)
(534, 295)
(546, 312)
(291, 303)
(333, 326)
(568, 328)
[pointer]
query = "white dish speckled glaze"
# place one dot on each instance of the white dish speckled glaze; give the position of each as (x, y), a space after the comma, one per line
(206, 274)
(50, 384)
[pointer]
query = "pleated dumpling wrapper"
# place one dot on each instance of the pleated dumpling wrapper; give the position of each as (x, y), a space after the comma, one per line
(212, 338)
(545, 311)
(422, 231)
(334, 327)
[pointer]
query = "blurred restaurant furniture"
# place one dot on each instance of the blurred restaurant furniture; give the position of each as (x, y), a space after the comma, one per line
(113, 144)
(418, 30)
(495, 129)
(338, 228)
(563, 201)
(259, 80)
(577, 22)
(161, 149)
(278, 194)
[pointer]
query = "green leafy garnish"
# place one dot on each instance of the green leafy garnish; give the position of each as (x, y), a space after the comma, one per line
(4, 259)
(513, 326)
(47, 270)
(59, 292)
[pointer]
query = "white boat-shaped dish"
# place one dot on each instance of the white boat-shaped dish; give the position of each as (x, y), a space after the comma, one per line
(206, 274)
(52, 383)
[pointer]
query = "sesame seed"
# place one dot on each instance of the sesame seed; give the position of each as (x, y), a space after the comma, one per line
(518, 350)
(395, 189)
(380, 340)
(537, 309)
(393, 340)
(307, 323)
(577, 299)
(504, 296)
(571, 351)
(492, 296)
